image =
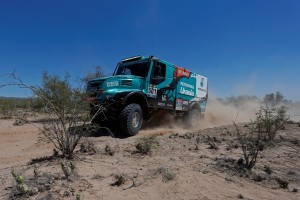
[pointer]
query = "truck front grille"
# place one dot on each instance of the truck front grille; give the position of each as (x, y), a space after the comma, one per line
(126, 83)
(95, 84)
(94, 88)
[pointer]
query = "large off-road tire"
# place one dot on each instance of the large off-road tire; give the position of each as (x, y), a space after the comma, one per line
(131, 119)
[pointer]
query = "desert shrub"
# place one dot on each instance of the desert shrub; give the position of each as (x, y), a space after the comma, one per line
(7, 108)
(213, 145)
(268, 121)
(119, 179)
(261, 131)
(88, 147)
(282, 183)
(97, 72)
(268, 169)
(251, 145)
(232, 145)
(145, 144)
(22, 188)
(212, 142)
(258, 177)
(109, 151)
(166, 173)
(67, 112)
(295, 190)
(69, 170)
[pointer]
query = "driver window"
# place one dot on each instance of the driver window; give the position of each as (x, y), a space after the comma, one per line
(126, 71)
(158, 73)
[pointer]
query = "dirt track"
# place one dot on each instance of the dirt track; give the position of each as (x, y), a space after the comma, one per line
(196, 169)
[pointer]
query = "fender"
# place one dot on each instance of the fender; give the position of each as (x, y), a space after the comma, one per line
(129, 97)
(140, 98)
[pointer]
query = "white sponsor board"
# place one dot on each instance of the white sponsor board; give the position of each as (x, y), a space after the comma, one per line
(201, 86)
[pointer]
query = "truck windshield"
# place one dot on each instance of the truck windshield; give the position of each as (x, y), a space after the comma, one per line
(137, 69)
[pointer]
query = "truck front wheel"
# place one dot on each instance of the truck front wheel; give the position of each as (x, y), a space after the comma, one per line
(131, 119)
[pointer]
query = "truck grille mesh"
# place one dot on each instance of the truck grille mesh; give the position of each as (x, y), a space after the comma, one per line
(126, 83)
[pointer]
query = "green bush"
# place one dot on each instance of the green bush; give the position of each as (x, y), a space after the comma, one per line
(268, 121)
(68, 113)
(262, 130)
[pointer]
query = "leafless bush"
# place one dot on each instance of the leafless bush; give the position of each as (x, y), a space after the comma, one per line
(96, 73)
(251, 145)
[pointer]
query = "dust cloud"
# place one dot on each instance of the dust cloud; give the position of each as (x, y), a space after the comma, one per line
(218, 112)
(222, 112)
(294, 111)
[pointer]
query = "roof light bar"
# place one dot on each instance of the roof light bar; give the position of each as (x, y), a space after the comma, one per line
(131, 58)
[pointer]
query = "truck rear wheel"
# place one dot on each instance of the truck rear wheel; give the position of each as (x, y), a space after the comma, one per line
(192, 118)
(131, 119)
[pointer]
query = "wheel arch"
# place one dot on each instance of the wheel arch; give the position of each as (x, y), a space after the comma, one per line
(195, 105)
(136, 97)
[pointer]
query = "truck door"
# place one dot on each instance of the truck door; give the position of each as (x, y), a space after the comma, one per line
(161, 94)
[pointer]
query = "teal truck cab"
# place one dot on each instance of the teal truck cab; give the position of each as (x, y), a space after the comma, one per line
(141, 86)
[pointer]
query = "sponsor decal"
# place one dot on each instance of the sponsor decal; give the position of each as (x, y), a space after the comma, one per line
(202, 82)
(186, 92)
(182, 104)
(185, 103)
(179, 104)
(181, 72)
(152, 91)
(161, 104)
(187, 85)
(112, 84)
(164, 97)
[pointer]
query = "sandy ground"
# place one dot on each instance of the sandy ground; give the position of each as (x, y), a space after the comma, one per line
(180, 166)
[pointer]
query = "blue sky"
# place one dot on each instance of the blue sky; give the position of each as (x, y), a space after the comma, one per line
(242, 46)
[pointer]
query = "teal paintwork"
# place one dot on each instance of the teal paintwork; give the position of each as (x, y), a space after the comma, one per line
(113, 84)
(173, 90)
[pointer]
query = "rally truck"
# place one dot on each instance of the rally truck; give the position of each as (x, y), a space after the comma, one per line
(141, 86)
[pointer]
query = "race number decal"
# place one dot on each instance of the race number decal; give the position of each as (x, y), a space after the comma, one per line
(152, 91)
